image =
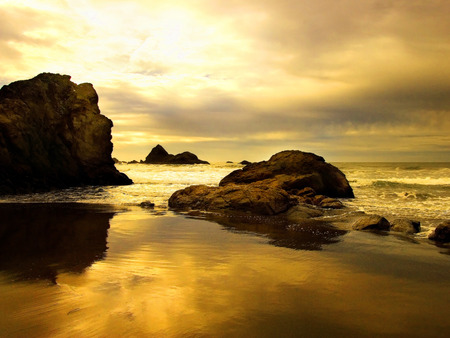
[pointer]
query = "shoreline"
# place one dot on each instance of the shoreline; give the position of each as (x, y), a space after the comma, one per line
(335, 220)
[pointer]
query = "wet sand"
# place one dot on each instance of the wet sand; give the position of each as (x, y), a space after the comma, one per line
(93, 270)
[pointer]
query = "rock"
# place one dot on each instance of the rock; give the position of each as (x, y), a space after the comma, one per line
(441, 233)
(271, 187)
(330, 203)
(295, 170)
(52, 135)
(255, 198)
(303, 211)
(308, 196)
(187, 158)
(229, 162)
(245, 162)
(371, 222)
(158, 155)
(405, 225)
(305, 192)
(147, 204)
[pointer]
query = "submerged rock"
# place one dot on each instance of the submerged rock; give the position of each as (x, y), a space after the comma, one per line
(294, 170)
(52, 135)
(441, 233)
(405, 225)
(371, 222)
(158, 155)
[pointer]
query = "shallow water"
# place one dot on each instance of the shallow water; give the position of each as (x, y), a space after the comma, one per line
(418, 191)
(136, 273)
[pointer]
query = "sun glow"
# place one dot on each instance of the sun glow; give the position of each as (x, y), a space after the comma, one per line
(175, 38)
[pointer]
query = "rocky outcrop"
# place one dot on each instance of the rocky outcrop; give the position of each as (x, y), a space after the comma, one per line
(52, 135)
(293, 171)
(371, 222)
(441, 233)
(255, 198)
(270, 188)
(158, 155)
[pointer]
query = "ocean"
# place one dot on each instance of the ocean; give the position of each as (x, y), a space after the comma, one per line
(89, 262)
(418, 191)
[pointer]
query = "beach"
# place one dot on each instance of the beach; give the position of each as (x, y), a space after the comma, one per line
(84, 268)
(224, 169)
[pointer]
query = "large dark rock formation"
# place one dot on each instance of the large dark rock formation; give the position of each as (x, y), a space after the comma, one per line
(294, 170)
(158, 155)
(270, 187)
(52, 135)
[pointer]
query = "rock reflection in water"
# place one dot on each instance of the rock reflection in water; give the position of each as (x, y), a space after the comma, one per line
(310, 234)
(39, 240)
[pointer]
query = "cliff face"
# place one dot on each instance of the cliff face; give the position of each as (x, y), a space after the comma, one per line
(52, 135)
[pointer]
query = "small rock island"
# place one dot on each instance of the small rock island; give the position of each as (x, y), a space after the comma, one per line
(52, 135)
(159, 155)
(270, 187)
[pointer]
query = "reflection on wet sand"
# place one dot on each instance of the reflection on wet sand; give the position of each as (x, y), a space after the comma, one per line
(38, 240)
(310, 234)
(173, 276)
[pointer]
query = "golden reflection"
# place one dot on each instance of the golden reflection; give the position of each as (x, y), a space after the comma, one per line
(174, 276)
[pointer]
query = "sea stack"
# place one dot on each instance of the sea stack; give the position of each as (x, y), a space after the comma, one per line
(271, 187)
(52, 135)
(158, 155)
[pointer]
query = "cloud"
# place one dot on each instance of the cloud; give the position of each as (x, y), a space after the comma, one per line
(348, 77)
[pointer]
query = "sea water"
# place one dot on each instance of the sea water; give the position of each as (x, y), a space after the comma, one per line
(418, 191)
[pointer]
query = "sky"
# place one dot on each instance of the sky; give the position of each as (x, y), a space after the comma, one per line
(350, 80)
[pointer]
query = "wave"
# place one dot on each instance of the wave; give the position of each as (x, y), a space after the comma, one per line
(413, 167)
(407, 195)
(441, 183)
